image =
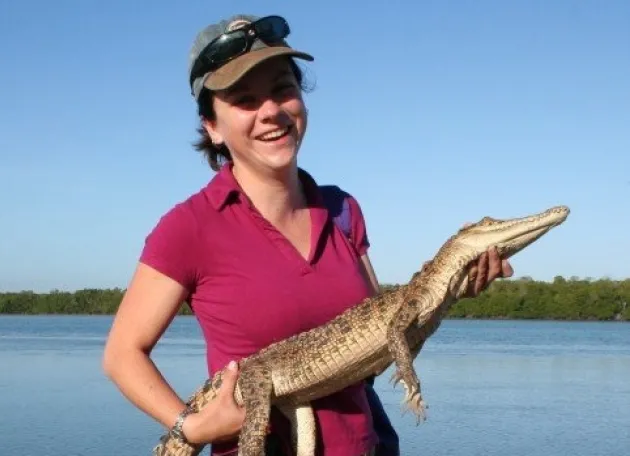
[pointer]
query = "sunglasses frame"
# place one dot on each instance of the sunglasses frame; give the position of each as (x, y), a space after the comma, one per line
(203, 64)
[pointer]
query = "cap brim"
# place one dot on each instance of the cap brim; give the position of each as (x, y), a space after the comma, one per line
(232, 71)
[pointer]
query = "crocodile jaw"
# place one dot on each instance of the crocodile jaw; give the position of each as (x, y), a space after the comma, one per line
(508, 236)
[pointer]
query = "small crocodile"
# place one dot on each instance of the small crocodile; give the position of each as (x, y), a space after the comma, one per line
(365, 340)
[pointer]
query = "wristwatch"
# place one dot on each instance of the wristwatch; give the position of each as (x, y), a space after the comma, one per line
(176, 430)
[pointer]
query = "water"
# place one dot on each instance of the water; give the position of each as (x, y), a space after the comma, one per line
(493, 388)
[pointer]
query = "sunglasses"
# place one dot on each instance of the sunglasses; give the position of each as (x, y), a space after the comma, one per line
(270, 29)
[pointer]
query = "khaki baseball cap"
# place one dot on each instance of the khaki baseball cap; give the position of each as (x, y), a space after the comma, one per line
(228, 74)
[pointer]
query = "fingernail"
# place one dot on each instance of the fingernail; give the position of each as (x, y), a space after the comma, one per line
(232, 365)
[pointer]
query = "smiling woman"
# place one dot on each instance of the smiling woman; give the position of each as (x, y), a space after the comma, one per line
(255, 253)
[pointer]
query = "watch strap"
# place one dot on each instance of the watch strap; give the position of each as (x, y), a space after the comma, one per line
(176, 430)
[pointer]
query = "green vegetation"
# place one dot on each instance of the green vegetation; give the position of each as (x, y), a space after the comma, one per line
(523, 298)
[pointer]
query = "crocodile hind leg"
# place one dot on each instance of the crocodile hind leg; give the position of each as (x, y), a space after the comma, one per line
(255, 388)
(402, 354)
(303, 431)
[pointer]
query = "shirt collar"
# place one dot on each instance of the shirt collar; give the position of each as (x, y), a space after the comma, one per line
(224, 187)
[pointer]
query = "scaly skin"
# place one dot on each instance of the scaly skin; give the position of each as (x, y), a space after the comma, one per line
(364, 340)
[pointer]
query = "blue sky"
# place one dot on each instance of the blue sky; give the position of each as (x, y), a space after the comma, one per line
(431, 113)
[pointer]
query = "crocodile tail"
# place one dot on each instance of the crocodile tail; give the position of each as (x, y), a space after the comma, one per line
(207, 392)
(169, 445)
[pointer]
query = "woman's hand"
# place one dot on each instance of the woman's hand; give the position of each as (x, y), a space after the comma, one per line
(221, 419)
(488, 267)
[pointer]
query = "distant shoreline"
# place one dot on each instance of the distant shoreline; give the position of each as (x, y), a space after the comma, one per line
(562, 299)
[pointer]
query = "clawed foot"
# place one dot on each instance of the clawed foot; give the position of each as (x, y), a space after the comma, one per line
(409, 379)
(413, 401)
(413, 398)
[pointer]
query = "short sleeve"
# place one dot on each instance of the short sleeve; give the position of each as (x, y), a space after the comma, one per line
(169, 247)
(360, 238)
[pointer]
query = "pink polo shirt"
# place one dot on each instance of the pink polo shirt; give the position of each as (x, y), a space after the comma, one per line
(249, 287)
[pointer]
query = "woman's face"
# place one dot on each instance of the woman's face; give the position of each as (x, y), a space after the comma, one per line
(261, 119)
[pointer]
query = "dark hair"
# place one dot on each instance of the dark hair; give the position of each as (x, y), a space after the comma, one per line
(216, 155)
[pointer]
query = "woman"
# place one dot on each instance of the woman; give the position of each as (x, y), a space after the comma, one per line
(254, 253)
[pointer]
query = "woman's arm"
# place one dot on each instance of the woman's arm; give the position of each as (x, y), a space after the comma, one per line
(147, 308)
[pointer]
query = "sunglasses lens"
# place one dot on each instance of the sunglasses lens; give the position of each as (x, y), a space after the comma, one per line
(272, 29)
(227, 47)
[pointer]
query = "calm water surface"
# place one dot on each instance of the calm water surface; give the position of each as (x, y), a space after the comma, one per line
(493, 388)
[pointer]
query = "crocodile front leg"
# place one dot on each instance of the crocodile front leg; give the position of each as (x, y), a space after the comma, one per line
(255, 388)
(403, 357)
